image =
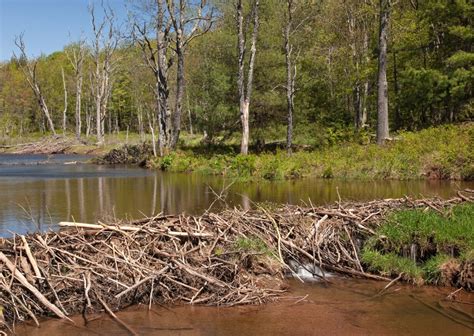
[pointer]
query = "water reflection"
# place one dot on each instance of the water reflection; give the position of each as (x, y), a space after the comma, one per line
(85, 193)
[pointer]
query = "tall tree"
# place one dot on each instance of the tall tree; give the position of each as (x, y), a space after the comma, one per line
(358, 15)
(65, 101)
(290, 73)
(189, 22)
(158, 60)
(29, 68)
(382, 89)
(245, 92)
(105, 42)
(76, 55)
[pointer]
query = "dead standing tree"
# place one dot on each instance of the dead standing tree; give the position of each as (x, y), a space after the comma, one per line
(105, 42)
(382, 91)
(176, 24)
(190, 19)
(76, 57)
(65, 102)
(29, 68)
(158, 60)
(290, 74)
(246, 92)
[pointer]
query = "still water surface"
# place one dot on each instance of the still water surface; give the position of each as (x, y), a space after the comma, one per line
(40, 195)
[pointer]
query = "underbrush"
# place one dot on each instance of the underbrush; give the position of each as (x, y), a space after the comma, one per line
(443, 152)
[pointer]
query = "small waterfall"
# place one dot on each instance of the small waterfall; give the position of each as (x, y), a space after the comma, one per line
(308, 271)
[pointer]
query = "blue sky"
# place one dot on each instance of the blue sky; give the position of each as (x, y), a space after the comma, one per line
(48, 25)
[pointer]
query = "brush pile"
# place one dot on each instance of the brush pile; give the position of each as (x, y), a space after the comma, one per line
(231, 258)
(49, 145)
(128, 154)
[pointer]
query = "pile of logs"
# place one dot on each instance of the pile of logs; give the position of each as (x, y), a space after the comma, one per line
(231, 258)
(50, 145)
(127, 154)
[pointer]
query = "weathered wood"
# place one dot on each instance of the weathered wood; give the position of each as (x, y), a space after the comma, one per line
(133, 229)
(21, 278)
(31, 258)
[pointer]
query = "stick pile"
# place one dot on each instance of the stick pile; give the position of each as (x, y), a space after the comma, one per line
(51, 145)
(234, 257)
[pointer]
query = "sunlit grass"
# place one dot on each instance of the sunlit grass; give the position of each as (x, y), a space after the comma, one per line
(438, 239)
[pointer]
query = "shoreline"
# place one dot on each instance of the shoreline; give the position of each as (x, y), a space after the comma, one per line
(439, 153)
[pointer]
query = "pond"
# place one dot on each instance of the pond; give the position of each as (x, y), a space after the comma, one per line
(38, 191)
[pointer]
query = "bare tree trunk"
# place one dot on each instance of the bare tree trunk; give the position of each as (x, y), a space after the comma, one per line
(245, 93)
(364, 110)
(395, 86)
(153, 138)
(65, 101)
(290, 77)
(186, 21)
(180, 83)
(88, 121)
(164, 122)
(29, 69)
(77, 61)
(382, 90)
(188, 11)
(78, 106)
(141, 130)
(189, 116)
(104, 45)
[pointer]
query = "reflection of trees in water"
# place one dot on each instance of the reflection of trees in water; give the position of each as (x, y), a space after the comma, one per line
(89, 199)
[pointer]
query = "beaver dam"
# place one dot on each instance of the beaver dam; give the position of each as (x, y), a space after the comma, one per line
(229, 258)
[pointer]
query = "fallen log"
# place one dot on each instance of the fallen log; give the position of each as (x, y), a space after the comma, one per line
(132, 229)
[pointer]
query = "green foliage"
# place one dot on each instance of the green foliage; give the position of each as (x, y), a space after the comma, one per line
(243, 165)
(251, 245)
(166, 162)
(428, 228)
(390, 264)
(441, 153)
(431, 71)
(432, 268)
(440, 237)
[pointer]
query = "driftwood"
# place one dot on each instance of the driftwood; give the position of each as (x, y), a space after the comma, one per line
(234, 257)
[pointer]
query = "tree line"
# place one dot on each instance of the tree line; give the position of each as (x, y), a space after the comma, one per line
(248, 67)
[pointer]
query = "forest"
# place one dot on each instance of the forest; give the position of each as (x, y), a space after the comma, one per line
(308, 72)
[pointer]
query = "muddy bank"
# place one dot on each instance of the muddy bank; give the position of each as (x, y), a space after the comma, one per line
(230, 258)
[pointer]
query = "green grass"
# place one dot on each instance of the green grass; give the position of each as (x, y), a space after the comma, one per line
(391, 264)
(438, 238)
(252, 245)
(429, 229)
(443, 152)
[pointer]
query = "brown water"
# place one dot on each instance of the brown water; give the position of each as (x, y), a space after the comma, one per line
(346, 307)
(36, 196)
